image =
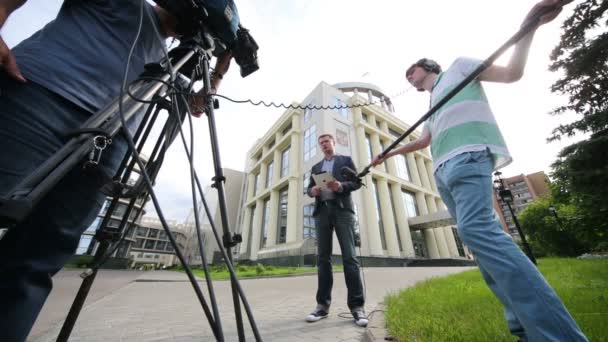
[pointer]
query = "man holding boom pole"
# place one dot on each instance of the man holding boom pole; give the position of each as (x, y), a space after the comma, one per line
(467, 147)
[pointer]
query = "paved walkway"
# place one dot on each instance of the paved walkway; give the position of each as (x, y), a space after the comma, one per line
(162, 306)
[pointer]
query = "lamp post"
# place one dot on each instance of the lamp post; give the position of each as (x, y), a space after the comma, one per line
(507, 197)
(554, 212)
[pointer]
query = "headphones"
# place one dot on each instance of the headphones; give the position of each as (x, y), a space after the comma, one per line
(428, 65)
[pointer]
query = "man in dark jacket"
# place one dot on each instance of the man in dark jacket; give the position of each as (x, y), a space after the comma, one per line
(334, 210)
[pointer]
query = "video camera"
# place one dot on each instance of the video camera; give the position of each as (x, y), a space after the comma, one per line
(220, 19)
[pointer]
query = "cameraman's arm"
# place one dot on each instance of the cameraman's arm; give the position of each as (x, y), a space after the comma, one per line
(222, 63)
(7, 59)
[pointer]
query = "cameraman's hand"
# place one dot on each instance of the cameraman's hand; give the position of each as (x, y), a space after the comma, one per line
(334, 185)
(9, 63)
(197, 102)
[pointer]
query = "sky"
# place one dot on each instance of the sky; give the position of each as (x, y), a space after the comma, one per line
(304, 42)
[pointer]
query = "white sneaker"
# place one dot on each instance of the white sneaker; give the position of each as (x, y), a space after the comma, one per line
(360, 317)
(320, 312)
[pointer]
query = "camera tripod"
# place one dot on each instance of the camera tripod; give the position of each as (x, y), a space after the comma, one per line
(160, 87)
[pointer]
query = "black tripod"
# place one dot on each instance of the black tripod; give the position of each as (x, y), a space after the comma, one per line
(154, 87)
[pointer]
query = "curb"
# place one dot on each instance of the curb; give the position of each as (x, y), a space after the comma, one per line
(376, 328)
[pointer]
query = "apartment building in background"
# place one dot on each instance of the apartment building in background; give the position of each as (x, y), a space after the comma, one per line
(525, 190)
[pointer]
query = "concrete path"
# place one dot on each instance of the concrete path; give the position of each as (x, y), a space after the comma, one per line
(162, 306)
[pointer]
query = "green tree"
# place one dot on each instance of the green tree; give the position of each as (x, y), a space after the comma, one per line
(581, 170)
(556, 235)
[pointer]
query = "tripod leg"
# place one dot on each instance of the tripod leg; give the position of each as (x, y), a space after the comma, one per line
(81, 296)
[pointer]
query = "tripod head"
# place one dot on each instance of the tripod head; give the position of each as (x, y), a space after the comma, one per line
(220, 20)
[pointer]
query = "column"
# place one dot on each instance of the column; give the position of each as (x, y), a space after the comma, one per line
(276, 172)
(449, 236)
(245, 233)
(403, 225)
(273, 217)
(293, 211)
(256, 229)
(424, 176)
(429, 235)
(442, 245)
(413, 168)
(390, 233)
(429, 170)
(262, 177)
(431, 243)
(371, 226)
(440, 239)
(294, 205)
(376, 149)
(431, 205)
(250, 187)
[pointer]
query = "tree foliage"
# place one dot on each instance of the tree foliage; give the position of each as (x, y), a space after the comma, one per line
(555, 234)
(581, 170)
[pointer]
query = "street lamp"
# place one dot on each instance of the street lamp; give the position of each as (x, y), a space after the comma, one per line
(554, 212)
(507, 197)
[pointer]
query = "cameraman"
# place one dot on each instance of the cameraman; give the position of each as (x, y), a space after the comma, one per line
(49, 85)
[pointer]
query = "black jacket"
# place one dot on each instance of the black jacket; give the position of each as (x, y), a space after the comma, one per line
(343, 198)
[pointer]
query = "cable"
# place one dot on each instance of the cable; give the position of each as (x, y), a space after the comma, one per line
(316, 107)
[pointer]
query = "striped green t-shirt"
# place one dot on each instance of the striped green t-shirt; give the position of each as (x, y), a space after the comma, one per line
(465, 123)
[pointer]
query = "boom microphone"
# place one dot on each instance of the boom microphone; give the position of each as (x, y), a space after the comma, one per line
(350, 174)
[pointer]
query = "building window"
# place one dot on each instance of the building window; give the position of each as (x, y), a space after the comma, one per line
(153, 233)
(410, 203)
(364, 117)
(265, 219)
(307, 115)
(161, 245)
(149, 244)
(402, 169)
(285, 163)
(83, 245)
(269, 174)
(379, 214)
(341, 107)
(394, 133)
(310, 142)
(306, 181)
(286, 129)
(309, 231)
(257, 188)
(282, 224)
(418, 243)
(142, 231)
(370, 153)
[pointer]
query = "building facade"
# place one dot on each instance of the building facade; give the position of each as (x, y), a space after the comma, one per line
(153, 248)
(233, 188)
(399, 212)
(525, 190)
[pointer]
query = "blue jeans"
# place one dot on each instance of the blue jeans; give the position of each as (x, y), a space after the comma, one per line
(33, 125)
(532, 309)
(329, 218)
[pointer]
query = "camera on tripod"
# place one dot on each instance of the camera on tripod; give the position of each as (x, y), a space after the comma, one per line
(220, 19)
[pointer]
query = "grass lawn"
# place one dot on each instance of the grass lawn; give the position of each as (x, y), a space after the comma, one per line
(246, 271)
(462, 308)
